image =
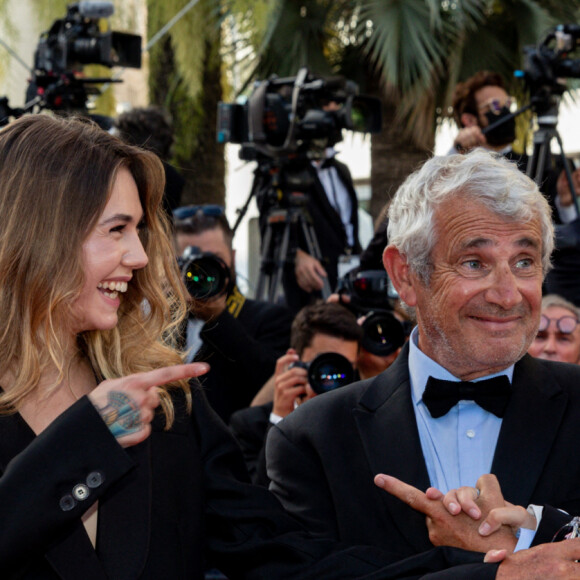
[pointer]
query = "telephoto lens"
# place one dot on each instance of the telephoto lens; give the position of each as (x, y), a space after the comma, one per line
(205, 274)
(383, 333)
(327, 371)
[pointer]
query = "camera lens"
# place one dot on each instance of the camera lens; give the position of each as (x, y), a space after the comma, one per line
(205, 277)
(383, 334)
(329, 371)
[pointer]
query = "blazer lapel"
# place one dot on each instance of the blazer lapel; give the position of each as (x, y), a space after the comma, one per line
(528, 430)
(124, 526)
(388, 432)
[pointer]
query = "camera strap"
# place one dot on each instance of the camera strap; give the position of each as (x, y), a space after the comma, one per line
(235, 302)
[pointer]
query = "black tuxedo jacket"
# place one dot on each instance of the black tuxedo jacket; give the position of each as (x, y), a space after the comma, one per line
(250, 427)
(167, 506)
(322, 458)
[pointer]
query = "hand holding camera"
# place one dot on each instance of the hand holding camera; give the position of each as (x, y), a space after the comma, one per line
(290, 384)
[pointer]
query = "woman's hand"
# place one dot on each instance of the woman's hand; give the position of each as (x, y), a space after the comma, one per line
(127, 405)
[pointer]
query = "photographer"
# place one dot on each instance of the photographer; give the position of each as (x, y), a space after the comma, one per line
(331, 207)
(482, 100)
(317, 329)
(240, 338)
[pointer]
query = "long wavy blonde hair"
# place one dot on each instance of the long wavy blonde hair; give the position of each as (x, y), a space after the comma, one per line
(56, 176)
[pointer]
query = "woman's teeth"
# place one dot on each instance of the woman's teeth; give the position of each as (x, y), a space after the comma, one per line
(113, 288)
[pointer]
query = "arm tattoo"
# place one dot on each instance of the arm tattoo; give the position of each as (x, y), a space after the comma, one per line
(121, 414)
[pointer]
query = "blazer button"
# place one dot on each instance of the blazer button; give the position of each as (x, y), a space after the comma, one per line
(95, 479)
(81, 492)
(67, 503)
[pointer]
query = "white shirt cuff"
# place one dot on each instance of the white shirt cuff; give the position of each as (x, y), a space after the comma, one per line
(526, 536)
(275, 419)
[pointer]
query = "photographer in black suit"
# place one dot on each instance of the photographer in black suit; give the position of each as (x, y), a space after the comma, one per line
(240, 338)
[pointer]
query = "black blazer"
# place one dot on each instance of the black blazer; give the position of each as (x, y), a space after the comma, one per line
(327, 452)
(167, 507)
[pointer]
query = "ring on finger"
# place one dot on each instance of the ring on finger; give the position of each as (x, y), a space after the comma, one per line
(477, 492)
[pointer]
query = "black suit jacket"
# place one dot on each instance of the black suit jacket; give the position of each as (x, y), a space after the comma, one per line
(242, 353)
(166, 507)
(250, 427)
(322, 458)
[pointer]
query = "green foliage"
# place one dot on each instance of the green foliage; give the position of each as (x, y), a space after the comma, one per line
(185, 70)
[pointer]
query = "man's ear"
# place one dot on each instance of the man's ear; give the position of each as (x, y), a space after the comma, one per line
(468, 120)
(400, 275)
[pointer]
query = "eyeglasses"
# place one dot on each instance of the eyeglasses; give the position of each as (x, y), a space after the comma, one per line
(188, 211)
(496, 105)
(565, 324)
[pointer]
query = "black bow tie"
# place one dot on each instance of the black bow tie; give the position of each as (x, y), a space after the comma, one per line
(490, 394)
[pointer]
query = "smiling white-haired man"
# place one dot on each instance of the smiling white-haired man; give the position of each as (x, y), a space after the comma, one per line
(470, 238)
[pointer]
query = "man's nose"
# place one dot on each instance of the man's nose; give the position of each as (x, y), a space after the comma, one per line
(504, 287)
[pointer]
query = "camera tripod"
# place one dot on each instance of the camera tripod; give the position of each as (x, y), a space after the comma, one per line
(287, 220)
(283, 227)
(547, 116)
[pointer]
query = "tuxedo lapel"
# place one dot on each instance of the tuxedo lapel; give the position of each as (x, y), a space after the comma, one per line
(125, 518)
(388, 432)
(330, 211)
(528, 430)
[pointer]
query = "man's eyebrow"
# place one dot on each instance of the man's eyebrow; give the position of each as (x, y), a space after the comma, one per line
(525, 242)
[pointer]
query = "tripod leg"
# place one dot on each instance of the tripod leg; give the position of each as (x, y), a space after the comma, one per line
(280, 262)
(566, 166)
(265, 263)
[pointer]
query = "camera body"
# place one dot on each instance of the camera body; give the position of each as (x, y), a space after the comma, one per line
(77, 39)
(283, 115)
(327, 371)
(373, 295)
(549, 61)
(62, 50)
(205, 274)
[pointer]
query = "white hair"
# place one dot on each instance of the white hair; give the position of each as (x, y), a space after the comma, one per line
(480, 175)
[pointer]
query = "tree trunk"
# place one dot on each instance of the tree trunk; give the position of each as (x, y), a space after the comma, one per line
(196, 153)
(393, 157)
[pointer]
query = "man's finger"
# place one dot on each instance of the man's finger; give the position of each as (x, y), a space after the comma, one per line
(405, 492)
(514, 516)
(494, 556)
(434, 493)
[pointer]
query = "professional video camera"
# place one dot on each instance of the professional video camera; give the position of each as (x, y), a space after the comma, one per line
(71, 42)
(373, 295)
(549, 61)
(285, 124)
(283, 115)
(205, 274)
(327, 371)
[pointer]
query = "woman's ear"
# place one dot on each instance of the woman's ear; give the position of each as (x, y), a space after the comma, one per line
(400, 275)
